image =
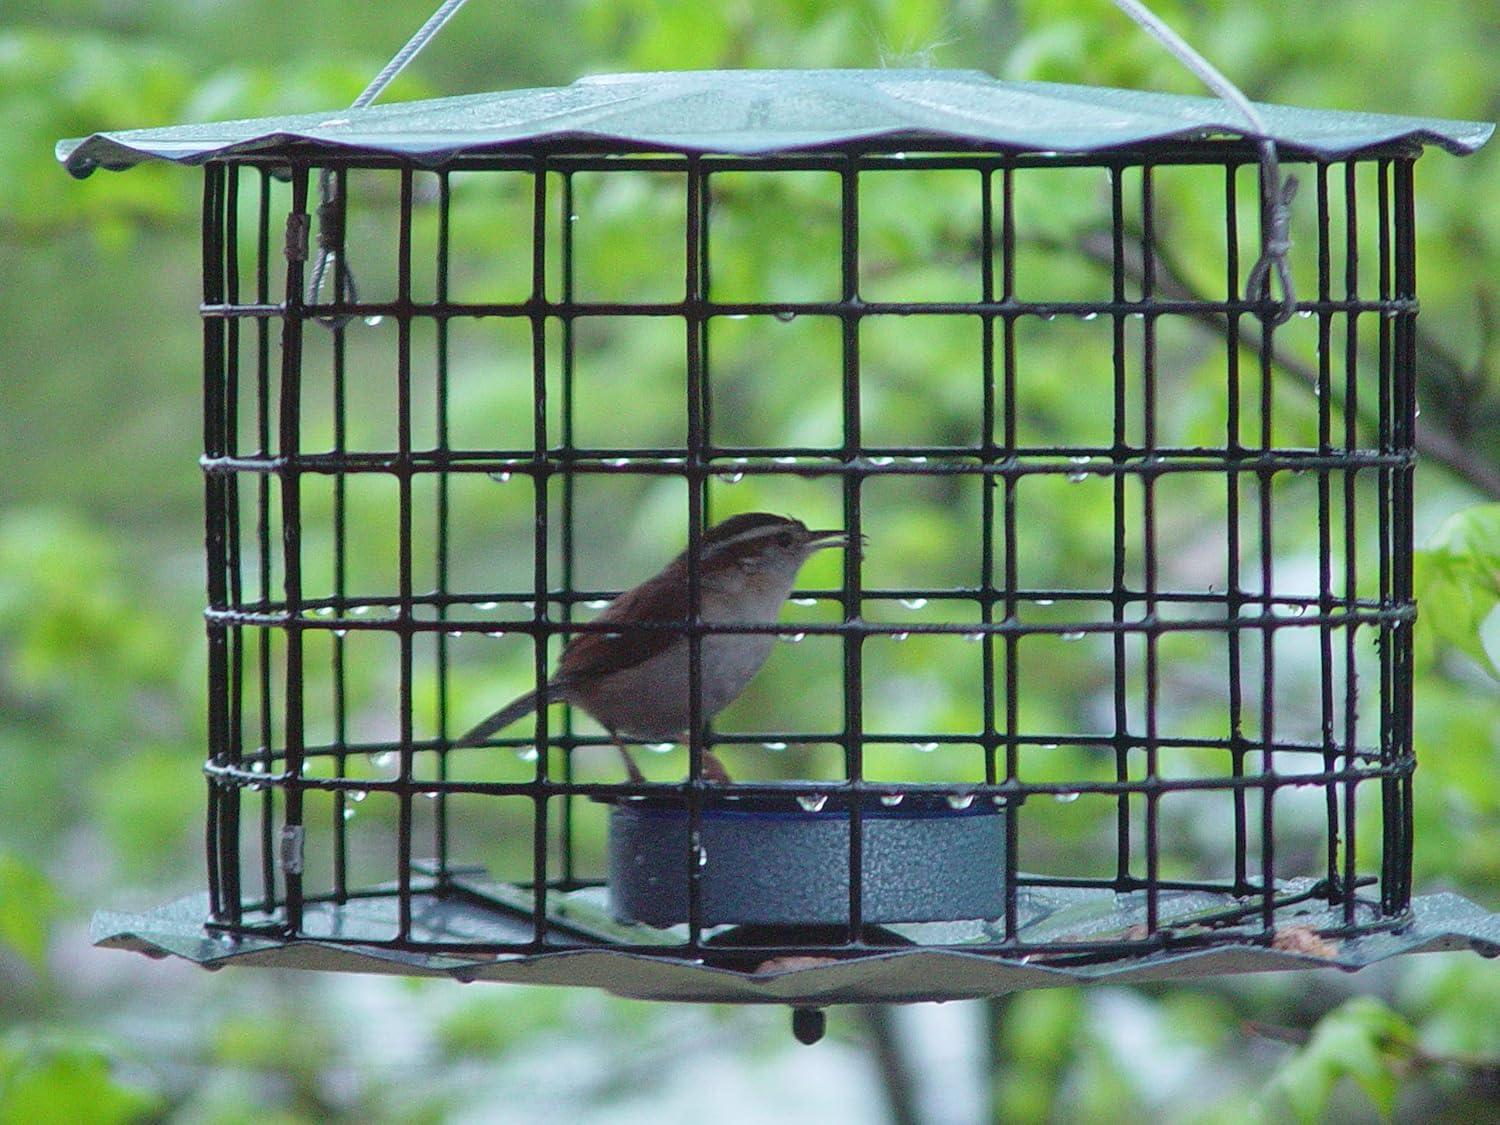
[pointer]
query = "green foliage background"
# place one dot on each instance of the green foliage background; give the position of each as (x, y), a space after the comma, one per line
(101, 584)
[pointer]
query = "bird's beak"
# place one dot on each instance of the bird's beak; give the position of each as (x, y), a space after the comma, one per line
(834, 537)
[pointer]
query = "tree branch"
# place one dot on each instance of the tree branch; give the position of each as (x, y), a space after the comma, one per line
(1441, 444)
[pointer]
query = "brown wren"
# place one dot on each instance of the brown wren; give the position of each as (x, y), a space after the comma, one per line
(635, 682)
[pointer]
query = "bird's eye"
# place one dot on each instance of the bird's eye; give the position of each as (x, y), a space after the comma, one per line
(785, 539)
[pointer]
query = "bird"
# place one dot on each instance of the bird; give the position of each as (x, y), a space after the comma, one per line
(635, 682)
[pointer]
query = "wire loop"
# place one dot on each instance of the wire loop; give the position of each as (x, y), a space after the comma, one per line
(1275, 196)
(331, 246)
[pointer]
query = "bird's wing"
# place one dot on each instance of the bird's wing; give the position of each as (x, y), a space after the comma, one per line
(663, 599)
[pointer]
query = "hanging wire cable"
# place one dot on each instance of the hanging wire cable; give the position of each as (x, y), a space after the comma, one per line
(330, 214)
(1276, 196)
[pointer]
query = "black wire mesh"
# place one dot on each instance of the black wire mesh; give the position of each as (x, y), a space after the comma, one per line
(312, 803)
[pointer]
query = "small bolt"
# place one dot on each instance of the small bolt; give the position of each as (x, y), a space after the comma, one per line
(808, 1024)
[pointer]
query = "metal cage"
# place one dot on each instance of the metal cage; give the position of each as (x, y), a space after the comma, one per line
(1303, 772)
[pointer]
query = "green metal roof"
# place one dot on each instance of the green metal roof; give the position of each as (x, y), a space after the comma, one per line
(749, 112)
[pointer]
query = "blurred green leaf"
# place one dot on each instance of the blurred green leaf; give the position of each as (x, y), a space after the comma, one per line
(28, 906)
(47, 1078)
(1363, 1040)
(1457, 581)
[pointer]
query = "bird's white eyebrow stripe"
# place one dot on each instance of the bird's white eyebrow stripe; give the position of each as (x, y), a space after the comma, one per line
(748, 536)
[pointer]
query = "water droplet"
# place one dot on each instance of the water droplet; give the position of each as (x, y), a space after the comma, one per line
(804, 601)
(924, 747)
(791, 638)
(383, 760)
(618, 462)
(430, 794)
(1305, 314)
(256, 787)
(661, 747)
(1045, 601)
(786, 316)
(882, 461)
(1389, 314)
(1081, 459)
(998, 800)
(898, 156)
(1049, 746)
(917, 460)
(455, 632)
(732, 478)
(257, 767)
(500, 477)
(597, 603)
(487, 605)
(1066, 797)
(702, 856)
(785, 460)
(813, 802)
(341, 632)
(739, 316)
(495, 633)
(360, 610)
(1091, 316)
(527, 753)
(1417, 413)
(775, 746)
(899, 637)
(324, 611)
(960, 800)
(1073, 635)
(1049, 316)
(357, 795)
(891, 800)
(974, 637)
(1077, 477)
(573, 218)
(913, 603)
(348, 813)
(374, 320)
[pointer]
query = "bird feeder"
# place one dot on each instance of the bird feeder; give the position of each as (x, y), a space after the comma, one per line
(337, 414)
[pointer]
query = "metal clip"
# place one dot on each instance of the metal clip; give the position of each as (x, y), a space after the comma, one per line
(298, 227)
(292, 837)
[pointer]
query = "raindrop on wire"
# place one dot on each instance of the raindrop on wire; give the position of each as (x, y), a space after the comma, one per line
(813, 802)
(891, 800)
(960, 800)
(774, 746)
(527, 753)
(1073, 635)
(1066, 797)
(914, 603)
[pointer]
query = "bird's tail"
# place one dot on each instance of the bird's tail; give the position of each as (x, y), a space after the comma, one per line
(515, 709)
